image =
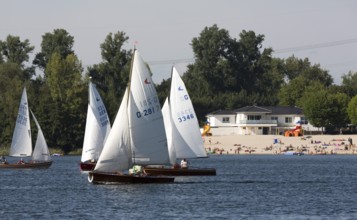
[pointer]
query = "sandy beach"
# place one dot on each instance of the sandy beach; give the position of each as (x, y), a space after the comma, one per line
(274, 144)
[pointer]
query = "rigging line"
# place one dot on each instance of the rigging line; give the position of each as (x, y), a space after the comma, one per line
(159, 62)
(284, 50)
(314, 46)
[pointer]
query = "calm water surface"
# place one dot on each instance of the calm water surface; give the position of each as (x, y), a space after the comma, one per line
(246, 187)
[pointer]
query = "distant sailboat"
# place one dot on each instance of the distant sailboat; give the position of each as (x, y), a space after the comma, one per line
(182, 130)
(97, 130)
(137, 136)
(21, 145)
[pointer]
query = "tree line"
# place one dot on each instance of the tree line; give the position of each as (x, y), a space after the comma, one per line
(227, 73)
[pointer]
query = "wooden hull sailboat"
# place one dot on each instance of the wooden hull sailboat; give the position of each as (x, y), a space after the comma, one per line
(29, 165)
(114, 178)
(87, 166)
(182, 131)
(137, 136)
(97, 130)
(21, 145)
(171, 171)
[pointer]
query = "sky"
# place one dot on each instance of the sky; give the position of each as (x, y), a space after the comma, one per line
(324, 31)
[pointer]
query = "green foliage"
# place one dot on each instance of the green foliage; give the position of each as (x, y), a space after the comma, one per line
(323, 108)
(11, 85)
(295, 67)
(15, 51)
(290, 94)
(349, 83)
(352, 110)
(67, 92)
(59, 42)
(112, 75)
(230, 73)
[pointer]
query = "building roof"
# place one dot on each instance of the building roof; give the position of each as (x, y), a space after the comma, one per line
(223, 112)
(273, 110)
(255, 109)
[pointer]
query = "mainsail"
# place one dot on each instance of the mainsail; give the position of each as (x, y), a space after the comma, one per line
(186, 136)
(21, 145)
(147, 131)
(97, 126)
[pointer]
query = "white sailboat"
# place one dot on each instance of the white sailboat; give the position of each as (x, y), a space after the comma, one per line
(182, 130)
(21, 145)
(138, 134)
(97, 130)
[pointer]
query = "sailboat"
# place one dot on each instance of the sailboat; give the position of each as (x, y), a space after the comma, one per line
(183, 133)
(137, 136)
(21, 145)
(97, 130)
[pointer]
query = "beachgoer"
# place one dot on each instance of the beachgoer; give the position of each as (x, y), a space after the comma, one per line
(184, 164)
(350, 140)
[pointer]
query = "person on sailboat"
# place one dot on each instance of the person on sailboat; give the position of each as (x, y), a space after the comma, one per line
(3, 160)
(184, 164)
(21, 161)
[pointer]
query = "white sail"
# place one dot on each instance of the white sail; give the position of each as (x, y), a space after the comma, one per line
(185, 130)
(116, 154)
(148, 138)
(21, 145)
(166, 113)
(97, 126)
(41, 152)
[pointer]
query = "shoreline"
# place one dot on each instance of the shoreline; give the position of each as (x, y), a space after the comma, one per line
(280, 145)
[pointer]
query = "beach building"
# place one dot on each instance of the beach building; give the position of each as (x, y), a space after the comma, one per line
(258, 120)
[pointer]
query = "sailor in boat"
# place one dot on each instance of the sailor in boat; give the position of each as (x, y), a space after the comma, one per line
(184, 164)
(21, 161)
(137, 170)
(3, 160)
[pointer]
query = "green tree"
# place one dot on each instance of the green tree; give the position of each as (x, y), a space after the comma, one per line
(323, 108)
(290, 93)
(59, 42)
(69, 99)
(349, 83)
(112, 75)
(227, 68)
(11, 85)
(13, 50)
(295, 67)
(352, 110)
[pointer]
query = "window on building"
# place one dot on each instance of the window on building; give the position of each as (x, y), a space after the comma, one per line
(225, 119)
(288, 119)
(274, 118)
(304, 121)
(254, 117)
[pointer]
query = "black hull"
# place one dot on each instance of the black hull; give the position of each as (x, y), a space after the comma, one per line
(34, 165)
(116, 178)
(168, 171)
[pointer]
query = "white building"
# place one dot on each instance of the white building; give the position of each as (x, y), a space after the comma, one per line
(258, 120)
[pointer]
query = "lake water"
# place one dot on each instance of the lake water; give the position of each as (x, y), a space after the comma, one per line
(246, 187)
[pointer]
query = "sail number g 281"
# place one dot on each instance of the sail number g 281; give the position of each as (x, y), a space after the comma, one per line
(145, 112)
